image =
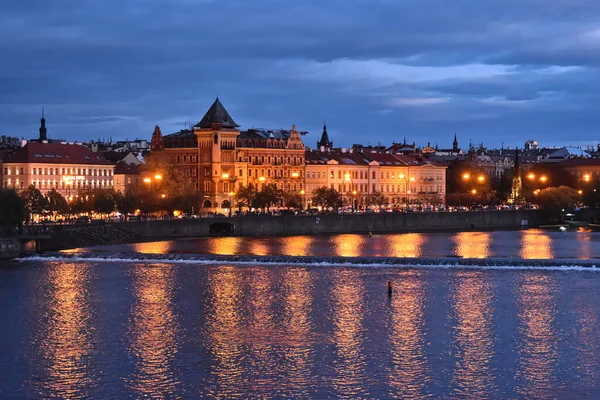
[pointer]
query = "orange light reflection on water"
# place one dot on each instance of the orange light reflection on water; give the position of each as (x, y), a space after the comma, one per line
(224, 245)
(538, 345)
(347, 245)
(153, 331)
(348, 313)
(409, 373)
(153, 247)
(472, 244)
(297, 245)
(65, 339)
(224, 331)
(472, 304)
(407, 245)
(536, 244)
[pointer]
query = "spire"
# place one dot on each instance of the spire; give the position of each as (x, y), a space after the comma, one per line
(217, 114)
(455, 143)
(43, 130)
(325, 142)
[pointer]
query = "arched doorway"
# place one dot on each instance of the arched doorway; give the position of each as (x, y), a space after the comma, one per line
(207, 204)
(225, 204)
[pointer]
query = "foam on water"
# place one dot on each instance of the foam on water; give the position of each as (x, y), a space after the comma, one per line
(324, 261)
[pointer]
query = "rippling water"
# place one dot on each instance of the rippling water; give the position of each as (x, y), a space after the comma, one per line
(528, 244)
(112, 330)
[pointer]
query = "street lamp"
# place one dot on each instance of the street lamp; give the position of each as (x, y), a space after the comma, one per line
(543, 178)
(353, 201)
(158, 177)
(262, 179)
(303, 193)
(481, 178)
(225, 176)
(531, 176)
(586, 177)
(147, 180)
(466, 176)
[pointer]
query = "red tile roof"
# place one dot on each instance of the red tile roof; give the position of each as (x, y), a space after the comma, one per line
(56, 153)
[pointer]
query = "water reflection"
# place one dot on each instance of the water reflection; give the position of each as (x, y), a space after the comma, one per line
(472, 304)
(223, 330)
(347, 245)
(536, 244)
(587, 340)
(298, 357)
(154, 247)
(407, 245)
(409, 372)
(65, 339)
(260, 248)
(224, 245)
(472, 244)
(297, 245)
(538, 344)
(153, 331)
(348, 314)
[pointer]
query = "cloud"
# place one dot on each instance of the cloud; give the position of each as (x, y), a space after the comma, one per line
(495, 69)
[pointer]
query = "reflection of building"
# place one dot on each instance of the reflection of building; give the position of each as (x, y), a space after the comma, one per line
(219, 158)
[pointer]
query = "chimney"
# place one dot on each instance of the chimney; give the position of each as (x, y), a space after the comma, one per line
(343, 149)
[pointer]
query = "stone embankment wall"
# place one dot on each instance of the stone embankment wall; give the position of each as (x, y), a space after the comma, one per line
(362, 223)
(9, 248)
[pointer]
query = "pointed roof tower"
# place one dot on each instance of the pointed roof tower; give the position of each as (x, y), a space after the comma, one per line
(455, 143)
(157, 141)
(217, 114)
(325, 142)
(43, 130)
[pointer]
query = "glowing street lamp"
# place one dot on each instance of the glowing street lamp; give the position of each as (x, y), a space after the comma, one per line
(481, 178)
(295, 175)
(231, 194)
(262, 179)
(158, 177)
(531, 176)
(580, 191)
(147, 180)
(586, 177)
(543, 178)
(466, 176)
(163, 196)
(473, 191)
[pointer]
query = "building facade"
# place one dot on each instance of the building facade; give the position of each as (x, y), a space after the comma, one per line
(219, 158)
(64, 167)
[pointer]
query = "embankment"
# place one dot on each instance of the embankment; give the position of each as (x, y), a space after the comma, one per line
(265, 225)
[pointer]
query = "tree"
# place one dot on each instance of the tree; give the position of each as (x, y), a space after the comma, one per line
(268, 196)
(558, 198)
(102, 201)
(13, 210)
(378, 199)
(591, 194)
(56, 202)
(126, 203)
(35, 202)
(292, 200)
(327, 198)
(245, 195)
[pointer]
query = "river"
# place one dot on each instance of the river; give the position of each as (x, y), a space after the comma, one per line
(116, 327)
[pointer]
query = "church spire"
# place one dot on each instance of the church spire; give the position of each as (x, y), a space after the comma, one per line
(325, 142)
(455, 143)
(43, 130)
(156, 144)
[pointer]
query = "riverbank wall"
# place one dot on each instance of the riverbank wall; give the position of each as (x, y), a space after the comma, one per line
(266, 225)
(9, 248)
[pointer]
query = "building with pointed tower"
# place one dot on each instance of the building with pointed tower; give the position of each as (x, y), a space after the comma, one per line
(43, 130)
(324, 143)
(516, 195)
(454, 151)
(220, 158)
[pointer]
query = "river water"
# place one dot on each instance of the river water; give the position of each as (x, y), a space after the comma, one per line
(117, 328)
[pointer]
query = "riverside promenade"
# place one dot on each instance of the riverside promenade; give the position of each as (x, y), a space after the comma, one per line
(72, 236)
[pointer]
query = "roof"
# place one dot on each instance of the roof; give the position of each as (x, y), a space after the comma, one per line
(342, 158)
(126, 169)
(581, 162)
(114, 156)
(55, 153)
(569, 152)
(217, 114)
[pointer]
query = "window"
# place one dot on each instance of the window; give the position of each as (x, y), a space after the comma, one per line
(241, 173)
(374, 175)
(249, 172)
(207, 186)
(34, 171)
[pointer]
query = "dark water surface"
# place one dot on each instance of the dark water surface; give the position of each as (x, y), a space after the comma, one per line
(527, 244)
(130, 330)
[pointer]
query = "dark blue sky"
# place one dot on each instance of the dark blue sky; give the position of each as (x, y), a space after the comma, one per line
(378, 70)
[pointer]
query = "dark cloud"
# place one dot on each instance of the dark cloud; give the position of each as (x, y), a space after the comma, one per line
(378, 70)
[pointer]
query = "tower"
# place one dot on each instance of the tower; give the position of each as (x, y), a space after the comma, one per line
(217, 136)
(455, 143)
(325, 142)
(157, 142)
(43, 130)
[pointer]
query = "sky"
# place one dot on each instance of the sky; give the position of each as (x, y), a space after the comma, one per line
(494, 71)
